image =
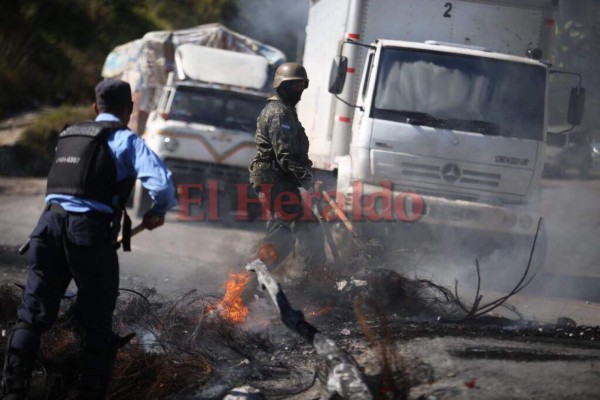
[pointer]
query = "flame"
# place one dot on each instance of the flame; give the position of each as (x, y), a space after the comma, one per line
(317, 313)
(232, 307)
(267, 253)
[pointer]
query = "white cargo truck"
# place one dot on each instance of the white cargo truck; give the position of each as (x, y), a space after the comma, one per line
(443, 99)
(197, 94)
(203, 127)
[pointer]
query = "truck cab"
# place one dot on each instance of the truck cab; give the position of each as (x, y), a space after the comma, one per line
(436, 121)
(462, 126)
(200, 123)
(203, 128)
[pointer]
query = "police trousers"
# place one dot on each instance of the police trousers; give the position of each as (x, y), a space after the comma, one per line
(66, 246)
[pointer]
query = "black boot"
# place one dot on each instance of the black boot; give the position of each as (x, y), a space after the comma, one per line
(16, 372)
(15, 377)
(96, 369)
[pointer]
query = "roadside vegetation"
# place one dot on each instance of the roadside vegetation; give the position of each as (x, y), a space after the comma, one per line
(42, 135)
(52, 51)
(33, 151)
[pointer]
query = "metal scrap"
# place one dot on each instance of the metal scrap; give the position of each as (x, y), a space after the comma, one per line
(342, 375)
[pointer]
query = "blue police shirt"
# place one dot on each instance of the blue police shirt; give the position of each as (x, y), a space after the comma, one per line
(132, 158)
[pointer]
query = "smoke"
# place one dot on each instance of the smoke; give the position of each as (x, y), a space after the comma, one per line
(278, 23)
(262, 314)
(568, 238)
(569, 207)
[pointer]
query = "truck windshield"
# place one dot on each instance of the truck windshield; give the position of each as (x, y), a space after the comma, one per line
(453, 91)
(217, 108)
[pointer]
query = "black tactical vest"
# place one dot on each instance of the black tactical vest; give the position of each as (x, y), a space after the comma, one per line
(84, 166)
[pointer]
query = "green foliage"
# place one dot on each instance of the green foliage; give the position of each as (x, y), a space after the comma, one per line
(180, 14)
(52, 51)
(42, 135)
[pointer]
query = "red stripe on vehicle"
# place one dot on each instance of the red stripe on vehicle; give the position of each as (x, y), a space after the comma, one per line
(218, 157)
(343, 119)
(353, 36)
(350, 70)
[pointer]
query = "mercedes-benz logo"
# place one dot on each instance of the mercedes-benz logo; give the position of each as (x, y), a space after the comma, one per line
(450, 173)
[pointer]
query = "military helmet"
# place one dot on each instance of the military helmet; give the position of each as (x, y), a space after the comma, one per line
(291, 71)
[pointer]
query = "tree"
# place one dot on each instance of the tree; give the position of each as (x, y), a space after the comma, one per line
(52, 51)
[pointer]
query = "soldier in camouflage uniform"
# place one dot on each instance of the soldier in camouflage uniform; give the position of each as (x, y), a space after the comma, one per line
(281, 165)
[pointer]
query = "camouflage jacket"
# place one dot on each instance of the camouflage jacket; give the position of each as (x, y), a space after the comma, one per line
(281, 147)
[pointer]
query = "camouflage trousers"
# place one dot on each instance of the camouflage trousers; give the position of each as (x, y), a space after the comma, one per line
(291, 223)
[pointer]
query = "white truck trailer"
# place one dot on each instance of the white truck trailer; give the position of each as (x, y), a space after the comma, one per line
(443, 99)
(197, 94)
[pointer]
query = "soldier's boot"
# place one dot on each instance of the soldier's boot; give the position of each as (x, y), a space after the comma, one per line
(96, 367)
(16, 372)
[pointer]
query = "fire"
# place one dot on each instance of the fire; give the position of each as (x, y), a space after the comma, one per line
(232, 307)
(267, 253)
(318, 313)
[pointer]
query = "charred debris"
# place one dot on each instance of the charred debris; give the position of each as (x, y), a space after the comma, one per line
(198, 346)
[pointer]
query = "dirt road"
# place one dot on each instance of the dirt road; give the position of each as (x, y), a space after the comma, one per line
(178, 255)
(186, 255)
(462, 363)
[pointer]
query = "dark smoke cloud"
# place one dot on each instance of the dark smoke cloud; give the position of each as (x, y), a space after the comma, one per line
(279, 23)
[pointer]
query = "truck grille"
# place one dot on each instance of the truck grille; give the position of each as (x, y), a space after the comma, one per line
(450, 173)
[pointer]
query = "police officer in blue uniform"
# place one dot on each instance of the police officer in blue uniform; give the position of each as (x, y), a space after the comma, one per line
(94, 169)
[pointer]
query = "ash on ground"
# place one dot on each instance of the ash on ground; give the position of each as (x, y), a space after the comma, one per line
(409, 336)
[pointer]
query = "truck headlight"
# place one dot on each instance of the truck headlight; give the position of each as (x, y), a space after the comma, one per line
(596, 150)
(171, 143)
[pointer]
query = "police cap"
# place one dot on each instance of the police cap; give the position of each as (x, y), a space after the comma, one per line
(113, 94)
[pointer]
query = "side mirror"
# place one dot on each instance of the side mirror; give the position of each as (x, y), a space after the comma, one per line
(576, 105)
(337, 76)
